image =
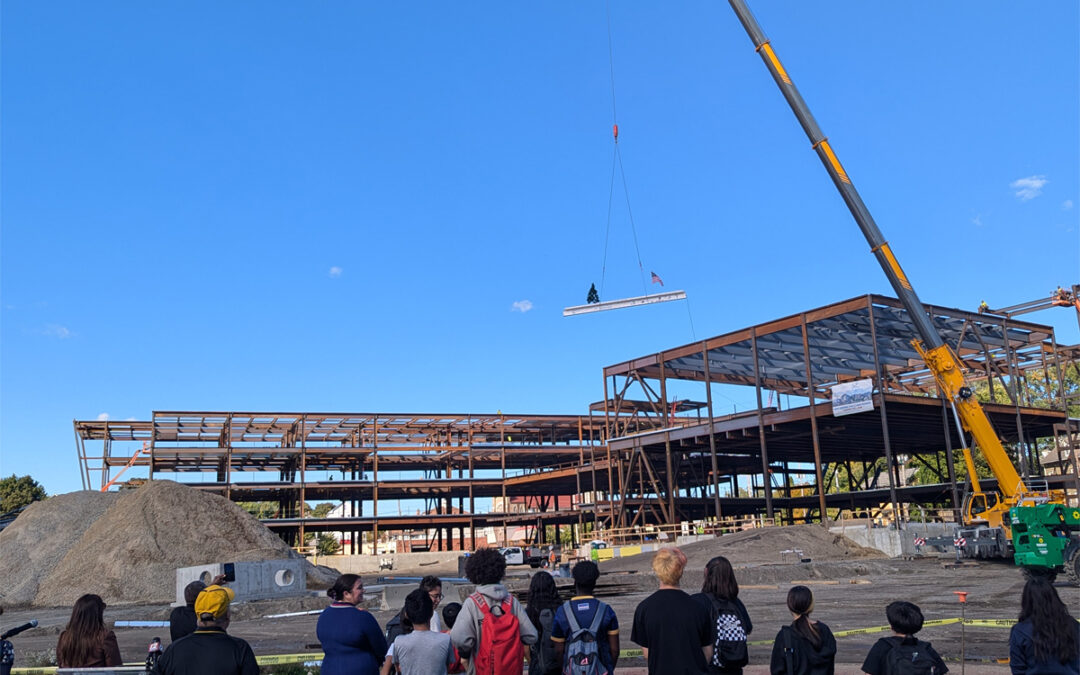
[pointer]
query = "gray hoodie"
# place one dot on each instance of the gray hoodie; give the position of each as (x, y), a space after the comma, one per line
(466, 631)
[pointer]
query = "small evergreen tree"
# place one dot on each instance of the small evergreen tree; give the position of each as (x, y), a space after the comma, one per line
(16, 491)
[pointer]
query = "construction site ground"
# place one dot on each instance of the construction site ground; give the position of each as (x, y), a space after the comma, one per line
(849, 594)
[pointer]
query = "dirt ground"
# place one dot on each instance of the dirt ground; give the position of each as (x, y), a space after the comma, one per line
(849, 594)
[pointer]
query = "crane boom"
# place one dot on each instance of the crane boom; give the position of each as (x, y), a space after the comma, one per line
(939, 357)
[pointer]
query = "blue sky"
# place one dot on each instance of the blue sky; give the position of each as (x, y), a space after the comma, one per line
(382, 207)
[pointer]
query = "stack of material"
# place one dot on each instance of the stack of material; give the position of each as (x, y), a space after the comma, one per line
(127, 546)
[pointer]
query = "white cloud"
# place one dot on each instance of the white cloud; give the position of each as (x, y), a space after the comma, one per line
(977, 221)
(335, 272)
(57, 331)
(521, 306)
(130, 419)
(1029, 188)
(1066, 205)
(103, 417)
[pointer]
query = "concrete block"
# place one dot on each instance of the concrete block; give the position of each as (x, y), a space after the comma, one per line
(892, 542)
(256, 580)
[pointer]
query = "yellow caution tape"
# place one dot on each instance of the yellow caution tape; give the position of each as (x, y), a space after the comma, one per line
(33, 671)
(940, 622)
(278, 659)
(993, 623)
(630, 653)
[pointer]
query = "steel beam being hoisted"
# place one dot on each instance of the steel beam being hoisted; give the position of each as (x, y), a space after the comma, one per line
(668, 296)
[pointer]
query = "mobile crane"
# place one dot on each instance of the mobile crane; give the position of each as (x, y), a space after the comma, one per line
(986, 530)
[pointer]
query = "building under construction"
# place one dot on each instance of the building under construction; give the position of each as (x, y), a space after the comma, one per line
(640, 457)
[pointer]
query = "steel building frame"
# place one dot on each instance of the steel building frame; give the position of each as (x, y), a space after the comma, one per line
(446, 458)
(670, 467)
(636, 458)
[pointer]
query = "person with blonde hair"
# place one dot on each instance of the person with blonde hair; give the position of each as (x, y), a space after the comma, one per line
(675, 632)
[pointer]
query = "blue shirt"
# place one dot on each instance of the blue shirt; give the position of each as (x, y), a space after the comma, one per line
(584, 608)
(352, 642)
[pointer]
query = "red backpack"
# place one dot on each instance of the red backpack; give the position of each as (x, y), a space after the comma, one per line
(500, 651)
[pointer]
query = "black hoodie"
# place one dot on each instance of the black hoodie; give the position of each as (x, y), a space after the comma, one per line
(805, 659)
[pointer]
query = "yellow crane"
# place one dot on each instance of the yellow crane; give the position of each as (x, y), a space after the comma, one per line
(986, 512)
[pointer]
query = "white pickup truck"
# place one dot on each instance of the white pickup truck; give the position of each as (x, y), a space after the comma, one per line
(533, 556)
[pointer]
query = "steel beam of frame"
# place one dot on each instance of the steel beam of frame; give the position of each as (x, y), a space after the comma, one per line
(667, 296)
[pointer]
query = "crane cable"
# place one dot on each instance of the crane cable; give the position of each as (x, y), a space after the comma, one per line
(616, 162)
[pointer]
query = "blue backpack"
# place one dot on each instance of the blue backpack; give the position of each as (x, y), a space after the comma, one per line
(582, 651)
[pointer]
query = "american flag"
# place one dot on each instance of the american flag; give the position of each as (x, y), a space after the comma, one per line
(656, 278)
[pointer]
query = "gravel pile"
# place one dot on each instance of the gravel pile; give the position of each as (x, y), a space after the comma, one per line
(755, 547)
(126, 546)
(41, 536)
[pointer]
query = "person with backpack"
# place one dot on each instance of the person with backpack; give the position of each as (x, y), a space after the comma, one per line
(806, 647)
(586, 631)
(399, 624)
(1047, 637)
(903, 653)
(492, 625)
(720, 595)
(423, 651)
(675, 632)
(542, 603)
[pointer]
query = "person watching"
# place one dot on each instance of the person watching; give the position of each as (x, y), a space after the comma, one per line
(210, 650)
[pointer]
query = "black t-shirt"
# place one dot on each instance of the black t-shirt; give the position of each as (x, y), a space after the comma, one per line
(208, 651)
(182, 621)
(875, 659)
(674, 628)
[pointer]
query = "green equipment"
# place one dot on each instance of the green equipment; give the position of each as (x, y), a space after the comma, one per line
(1046, 537)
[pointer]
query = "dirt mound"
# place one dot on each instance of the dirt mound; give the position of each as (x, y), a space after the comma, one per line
(40, 537)
(130, 551)
(761, 545)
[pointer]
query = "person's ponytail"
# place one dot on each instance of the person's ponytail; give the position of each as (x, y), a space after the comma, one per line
(801, 602)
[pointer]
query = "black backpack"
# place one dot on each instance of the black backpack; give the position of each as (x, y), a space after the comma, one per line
(908, 659)
(397, 625)
(542, 659)
(729, 650)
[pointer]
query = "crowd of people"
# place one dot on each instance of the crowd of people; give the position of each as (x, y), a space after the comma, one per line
(492, 633)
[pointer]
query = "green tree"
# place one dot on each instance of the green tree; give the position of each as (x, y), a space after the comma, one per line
(320, 510)
(326, 544)
(260, 510)
(16, 491)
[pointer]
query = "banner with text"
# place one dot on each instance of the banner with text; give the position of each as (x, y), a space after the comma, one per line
(852, 397)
